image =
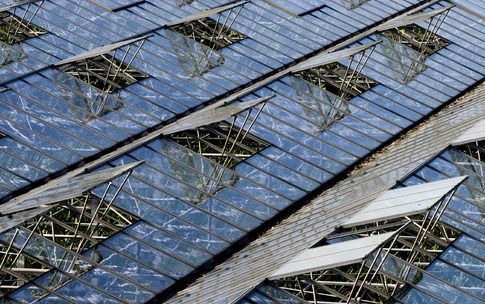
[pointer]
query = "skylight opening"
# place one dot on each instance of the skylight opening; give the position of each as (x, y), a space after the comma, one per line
(221, 134)
(53, 228)
(76, 225)
(104, 72)
(407, 45)
(210, 33)
(417, 38)
(222, 143)
(475, 150)
(377, 251)
(338, 80)
(14, 29)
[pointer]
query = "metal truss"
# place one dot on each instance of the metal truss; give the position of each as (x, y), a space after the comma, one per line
(343, 82)
(477, 151)
(387, 270)
(106, 72)
(225, 143)
(213, 32)
(56, 239)
(15, 28)
(423, 41)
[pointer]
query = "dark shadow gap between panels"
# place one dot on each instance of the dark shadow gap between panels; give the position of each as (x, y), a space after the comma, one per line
(125, 7)
(312, 10)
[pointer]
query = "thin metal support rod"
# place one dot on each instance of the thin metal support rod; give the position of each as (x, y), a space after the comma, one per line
(374, 260)
(224, 24)
(442, 209)
(417, 239)
(134, 56)
(9, 248)
(234, 142)
(128, 174)
(110, 183)
(198, 141)
(347, 83)
(19, 24)
(111, 63)
(10, 24)
(87, 67)
(384, 258)
(299, 286)
(223, 152)
(254, 120)
(224, 147)
(39, 5)
(235, 17)
(366, 60)
(78, 225)
(214, 29)
(356, 281)
(344, 80)
(313, 290)
(27, 240)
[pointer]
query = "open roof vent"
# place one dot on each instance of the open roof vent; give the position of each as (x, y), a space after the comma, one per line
(407, 45)
(341, 82)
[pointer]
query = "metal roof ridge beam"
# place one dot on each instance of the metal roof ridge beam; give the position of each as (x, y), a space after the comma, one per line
(90, 180)
(392, 204)
(333, 255)
(329, 57)
(207, 116)
(412, 18)
(206, 13)
(100, 50)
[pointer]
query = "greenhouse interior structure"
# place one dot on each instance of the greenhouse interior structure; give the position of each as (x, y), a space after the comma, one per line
(247, 151)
